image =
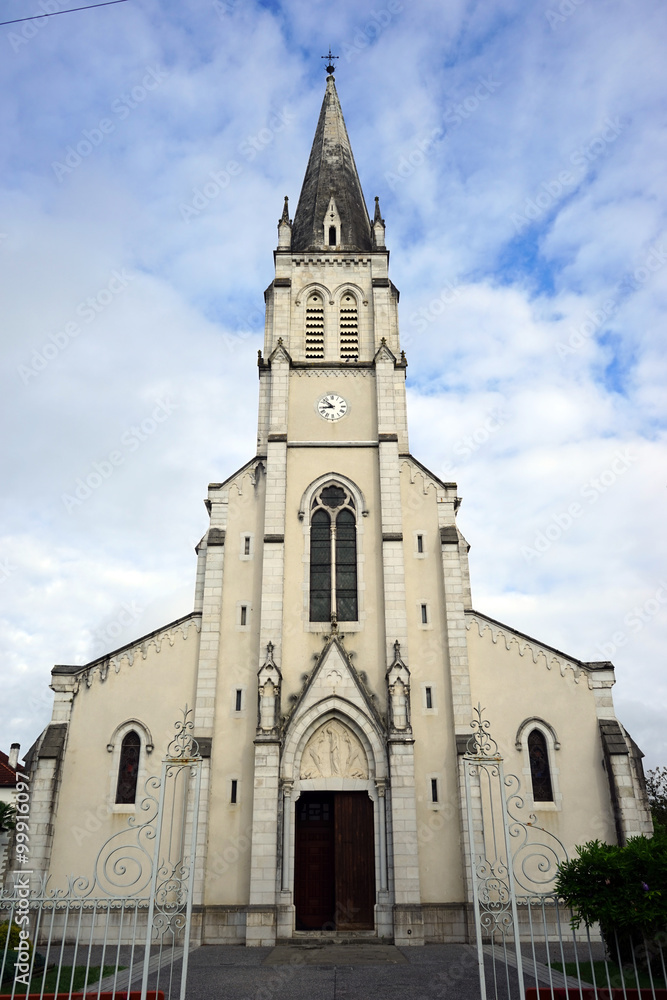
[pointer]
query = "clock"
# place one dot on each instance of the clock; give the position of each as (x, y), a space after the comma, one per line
(332, 406)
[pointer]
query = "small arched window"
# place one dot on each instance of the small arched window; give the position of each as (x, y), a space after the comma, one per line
(332, 236)
(128, 768)
(333, 556)
(540, 773)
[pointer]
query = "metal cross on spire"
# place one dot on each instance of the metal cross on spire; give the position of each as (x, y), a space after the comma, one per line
(330, 68)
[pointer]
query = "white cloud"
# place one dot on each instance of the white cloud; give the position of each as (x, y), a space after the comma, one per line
(524, 427)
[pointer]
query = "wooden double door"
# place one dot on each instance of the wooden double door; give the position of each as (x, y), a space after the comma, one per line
(334, 877)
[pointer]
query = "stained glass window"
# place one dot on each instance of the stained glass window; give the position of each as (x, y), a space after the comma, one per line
(333, 556)
(320, 567)
(539, 767)
(128, 769)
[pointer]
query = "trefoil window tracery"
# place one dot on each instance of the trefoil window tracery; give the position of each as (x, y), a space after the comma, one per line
(333, 556)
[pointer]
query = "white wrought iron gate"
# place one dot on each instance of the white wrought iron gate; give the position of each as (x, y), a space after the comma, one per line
(126, 927)
(527, 947)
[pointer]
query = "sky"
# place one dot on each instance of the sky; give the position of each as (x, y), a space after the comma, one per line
(517, 148)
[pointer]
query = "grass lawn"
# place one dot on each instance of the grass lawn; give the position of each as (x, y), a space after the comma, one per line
(616, 977)
(52, 985)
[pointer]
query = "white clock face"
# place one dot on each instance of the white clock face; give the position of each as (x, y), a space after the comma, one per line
(332, 406)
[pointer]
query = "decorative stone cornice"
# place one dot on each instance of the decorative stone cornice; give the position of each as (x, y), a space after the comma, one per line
(538, 652)
(85, 675)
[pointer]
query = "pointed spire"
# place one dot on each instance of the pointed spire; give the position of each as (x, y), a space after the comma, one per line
(285, 216)
(331, 174)
(378, 214)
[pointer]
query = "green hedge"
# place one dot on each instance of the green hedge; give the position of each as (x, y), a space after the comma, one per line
(621, 888)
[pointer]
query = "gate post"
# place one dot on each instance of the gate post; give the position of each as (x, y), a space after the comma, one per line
(491, 868)
(173, 869)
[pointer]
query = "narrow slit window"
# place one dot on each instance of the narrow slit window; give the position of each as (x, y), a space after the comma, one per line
(239, 700)
(128, 769)
(434, 789)
(332, 236)
(540, 774)
(244, 615)
(420, 543)
(429, 697)
(424, 615)
(234, 791)
(246, 545)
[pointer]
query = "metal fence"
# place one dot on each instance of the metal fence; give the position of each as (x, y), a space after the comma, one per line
(528, 944)
(124, 930)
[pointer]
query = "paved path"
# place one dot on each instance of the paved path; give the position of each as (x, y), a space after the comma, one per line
(333, 972)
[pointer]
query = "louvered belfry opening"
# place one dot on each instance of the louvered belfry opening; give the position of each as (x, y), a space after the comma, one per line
(314, 328)
(349, 329)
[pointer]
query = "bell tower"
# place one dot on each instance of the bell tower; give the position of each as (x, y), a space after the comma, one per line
(332, 427)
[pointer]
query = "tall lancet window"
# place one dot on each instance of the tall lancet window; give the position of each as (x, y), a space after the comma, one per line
(349, 328)
(540, 774)
(333, 556)
(128, 768)
(314, 327)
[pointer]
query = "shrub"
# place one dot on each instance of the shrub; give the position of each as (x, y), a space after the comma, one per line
(624, 889)
(13, 935)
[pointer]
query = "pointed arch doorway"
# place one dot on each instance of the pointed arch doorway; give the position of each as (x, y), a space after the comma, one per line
(334, 871)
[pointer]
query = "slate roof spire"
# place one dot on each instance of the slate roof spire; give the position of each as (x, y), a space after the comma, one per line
(331, 174)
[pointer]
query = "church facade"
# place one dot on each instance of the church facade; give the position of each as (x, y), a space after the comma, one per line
(333, 656)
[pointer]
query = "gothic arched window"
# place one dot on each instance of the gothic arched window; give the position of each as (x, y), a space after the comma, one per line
(128, 768)
(333, 556)
(538, 754)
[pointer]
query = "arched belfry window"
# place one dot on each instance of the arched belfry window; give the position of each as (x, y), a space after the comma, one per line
(540, 773)
(314, 327)
(128, 768)
(349, 328)
(333, 556)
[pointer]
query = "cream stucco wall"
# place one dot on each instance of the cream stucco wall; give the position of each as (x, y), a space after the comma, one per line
(152, 688)
(516, 680)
